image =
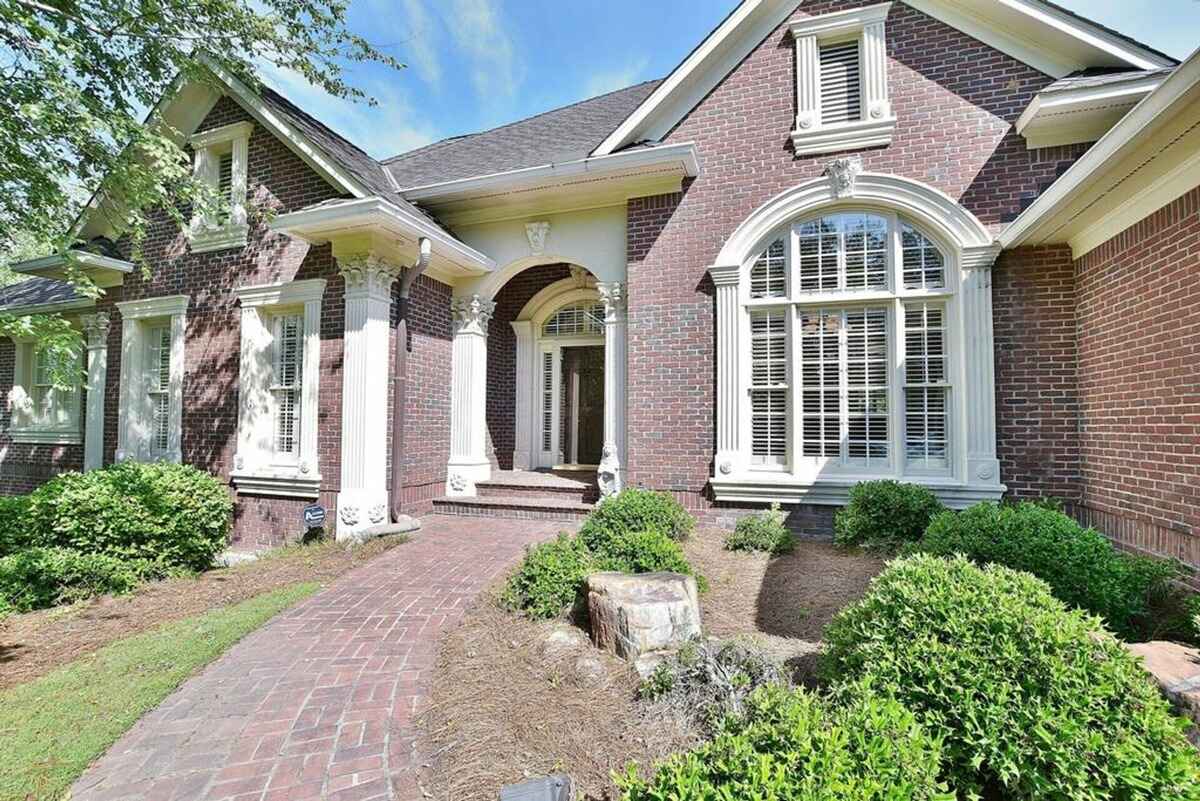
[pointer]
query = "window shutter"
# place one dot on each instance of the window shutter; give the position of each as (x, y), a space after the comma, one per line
(547, 401)
(769, 388)
(289, 365)
(768, 276)
(158, 382)
(841, 83)
(926, 389)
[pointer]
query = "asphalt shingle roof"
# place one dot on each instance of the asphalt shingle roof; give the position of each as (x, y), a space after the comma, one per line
(1082, 80)
(564, 134)
(36, 291)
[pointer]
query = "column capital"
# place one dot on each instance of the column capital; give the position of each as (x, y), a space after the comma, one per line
(615, 298)
(369, 275)
(96, 327)
(726, 274)
(980, 257)
(472, 315)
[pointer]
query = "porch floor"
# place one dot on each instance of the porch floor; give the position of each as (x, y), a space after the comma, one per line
(528, 494)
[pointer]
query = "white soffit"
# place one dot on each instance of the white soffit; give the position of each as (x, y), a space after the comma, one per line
(1148, 159)
(1083, 114)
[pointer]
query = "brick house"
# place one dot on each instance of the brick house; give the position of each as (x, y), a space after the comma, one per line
(953, 242)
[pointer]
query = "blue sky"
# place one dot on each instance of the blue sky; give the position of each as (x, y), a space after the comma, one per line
(476, 64)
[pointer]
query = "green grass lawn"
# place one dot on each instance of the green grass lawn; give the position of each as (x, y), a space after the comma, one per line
(52, 728)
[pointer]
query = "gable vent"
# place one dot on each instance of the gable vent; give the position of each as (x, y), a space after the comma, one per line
(841, 83)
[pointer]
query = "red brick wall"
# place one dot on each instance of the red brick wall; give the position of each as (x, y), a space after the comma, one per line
(23, 467)
(1139, 382)
(1037, 394)
(956, 100)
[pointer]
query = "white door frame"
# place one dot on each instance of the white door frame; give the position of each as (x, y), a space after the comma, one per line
(554, 457)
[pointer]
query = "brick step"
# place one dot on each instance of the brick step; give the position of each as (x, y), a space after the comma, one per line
(533, 508)
(539, 485)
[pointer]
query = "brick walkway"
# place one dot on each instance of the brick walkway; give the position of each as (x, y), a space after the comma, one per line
(320, 702)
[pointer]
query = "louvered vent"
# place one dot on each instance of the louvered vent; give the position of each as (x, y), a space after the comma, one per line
(926, 389)
(768, 388)
(768, 276)
(289, 367)
(841, 83)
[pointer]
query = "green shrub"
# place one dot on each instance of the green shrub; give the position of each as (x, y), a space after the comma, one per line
(636, 511)
(550, 577)
(792, 744)
(172, 514)
(885, 514)
(38, 578)
(1030, 699)
(16, 531)
(705, 682)
(1081, 566)
(641, 552)
(764, 531)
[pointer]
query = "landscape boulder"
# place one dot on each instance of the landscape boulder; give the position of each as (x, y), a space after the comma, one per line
(1176, 670)
(636, 615)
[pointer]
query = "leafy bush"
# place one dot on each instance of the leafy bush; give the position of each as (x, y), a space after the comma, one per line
(38, 578)
(16, 532)
(173, 514)
(792, 744)
(549, 578)
(1081, 566)
(885, 514)
(636, 511)
(641, 552)
(705, 682)
(1030, 699)
(764, 531)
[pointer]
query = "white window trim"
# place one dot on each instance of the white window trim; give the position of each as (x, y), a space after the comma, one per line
(135, 419)
(208, 147)
(22, 428)
(878, 125)
(257, 468)
(970, 252)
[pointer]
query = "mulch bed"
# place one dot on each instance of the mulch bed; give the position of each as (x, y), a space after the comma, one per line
(34, 644)
(503, 710)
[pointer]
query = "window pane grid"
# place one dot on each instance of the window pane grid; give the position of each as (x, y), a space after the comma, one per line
(924, 267)
(844, 252)
(51, 405)
(820, 368)
(768, 387)
(867, 429)
(288, 383)
(580, 319)
(768, 276)
(158, 363)
(926, 390)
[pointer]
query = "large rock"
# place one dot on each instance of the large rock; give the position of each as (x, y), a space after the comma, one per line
(636, 615)
(1176, 668)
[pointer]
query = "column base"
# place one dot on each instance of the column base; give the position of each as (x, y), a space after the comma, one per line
(360, 509)
(461, 478)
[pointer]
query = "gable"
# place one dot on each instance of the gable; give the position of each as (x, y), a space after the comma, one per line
(1046, 37)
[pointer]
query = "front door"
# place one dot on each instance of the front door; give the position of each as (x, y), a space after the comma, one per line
(583, 382)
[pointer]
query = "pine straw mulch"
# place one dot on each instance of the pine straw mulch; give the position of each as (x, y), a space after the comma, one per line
(502, 710)
(34, 644)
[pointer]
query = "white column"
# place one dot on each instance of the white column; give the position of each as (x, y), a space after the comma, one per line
(729, 452)
(254, 446)
(874, 49)
(363, 500)
(469, 463)
(980, 372)
(523, 433)
(616, 327)
(96, 328)
(808, 84)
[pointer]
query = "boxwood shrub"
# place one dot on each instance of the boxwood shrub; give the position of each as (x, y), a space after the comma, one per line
(763, 531)
(885, 514)
(38, 578)
(16, 532)
(171, 514)
(792, 744)
(549, 578)
(1032, 700)
(635, 511)
(1081, 566)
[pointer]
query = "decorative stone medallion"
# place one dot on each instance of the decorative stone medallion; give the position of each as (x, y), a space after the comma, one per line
(349, 514)
(843, 174)
(537, 233)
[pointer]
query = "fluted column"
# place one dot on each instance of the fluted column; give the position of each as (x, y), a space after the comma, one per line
(523, 451)
(469, 463)
(980, 372)
(611, 473)
(729, 455)
(363, 500)
(95, 326)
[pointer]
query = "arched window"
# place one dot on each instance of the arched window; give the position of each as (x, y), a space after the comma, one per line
(850, 333)
(577, 320)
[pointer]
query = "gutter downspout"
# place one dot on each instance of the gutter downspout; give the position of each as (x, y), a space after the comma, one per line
(400, 374)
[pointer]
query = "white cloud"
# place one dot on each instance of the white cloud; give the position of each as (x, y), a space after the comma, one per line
(601, 83)
(384, 130)
(481, 36)
(419, 45)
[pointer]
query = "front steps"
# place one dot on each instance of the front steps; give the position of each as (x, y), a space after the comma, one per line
(527, 495)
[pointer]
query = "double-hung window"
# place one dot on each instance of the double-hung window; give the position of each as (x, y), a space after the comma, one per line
(45, 396)
(850, 316)
(287, 384)
(157, 383)
(150, 424)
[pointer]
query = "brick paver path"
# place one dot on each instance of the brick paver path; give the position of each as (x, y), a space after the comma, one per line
(320, 702)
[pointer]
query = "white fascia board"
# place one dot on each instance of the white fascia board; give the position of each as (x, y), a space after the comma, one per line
(1083, 31)
(1105, 153)
(1059, 115)
(320, 222)
(628, 163)
(51, 308)
(703, 69)
(86, 261)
